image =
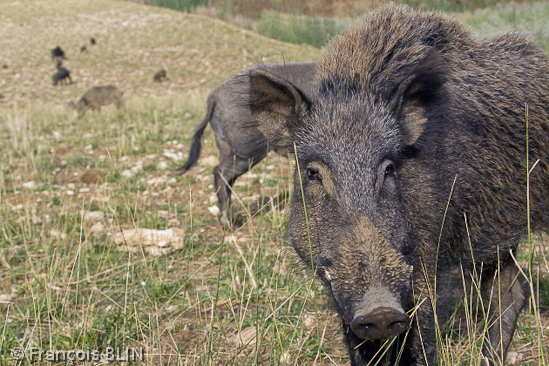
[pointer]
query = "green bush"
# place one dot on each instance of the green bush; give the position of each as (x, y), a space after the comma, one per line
(450, 5)
(181, 5)
(298, 29)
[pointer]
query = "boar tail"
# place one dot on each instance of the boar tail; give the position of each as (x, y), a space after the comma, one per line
(196, 145)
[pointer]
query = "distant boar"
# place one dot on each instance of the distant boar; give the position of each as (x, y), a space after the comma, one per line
(92, 41)
(83, 49)
(413, 166)
(61, 74)
(240, 144)
(159, 76)
(58, 54)
(97, 97)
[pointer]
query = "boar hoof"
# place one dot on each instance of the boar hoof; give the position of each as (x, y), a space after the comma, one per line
(224, 220)
(380, 323)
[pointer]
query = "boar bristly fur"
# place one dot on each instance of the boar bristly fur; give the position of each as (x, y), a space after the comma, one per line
(413, 161)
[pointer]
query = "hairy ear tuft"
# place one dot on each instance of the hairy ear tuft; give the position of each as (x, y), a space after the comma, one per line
(277, 107)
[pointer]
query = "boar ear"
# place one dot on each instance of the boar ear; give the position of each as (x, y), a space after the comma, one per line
(423, 96)
(278, 107)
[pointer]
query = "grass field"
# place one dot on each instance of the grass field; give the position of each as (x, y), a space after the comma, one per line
(68, 187)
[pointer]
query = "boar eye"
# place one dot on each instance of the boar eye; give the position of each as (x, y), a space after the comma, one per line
(313, 174)
(390, 170)
(386, 175)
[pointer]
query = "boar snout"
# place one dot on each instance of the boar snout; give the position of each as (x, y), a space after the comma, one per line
(381, 323)
(379, 316)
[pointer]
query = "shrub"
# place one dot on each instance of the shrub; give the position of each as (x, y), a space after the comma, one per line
(298, 28)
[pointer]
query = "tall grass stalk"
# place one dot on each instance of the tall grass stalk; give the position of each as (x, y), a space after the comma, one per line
(308, 236)
(432, 289)
(539, 325)
(209, 353)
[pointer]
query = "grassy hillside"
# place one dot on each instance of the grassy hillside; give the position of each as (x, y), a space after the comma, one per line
(133, 42)
(68, 187)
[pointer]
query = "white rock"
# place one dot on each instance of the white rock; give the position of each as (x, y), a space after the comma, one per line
(209, 160)
(156, 181)
(171, 155)
(94, 216)
(97, 227)
(57, 234)
(214, 210)
(154, 242)
(512, 357)
(247, 338)
(53, 287)
(309, 321)
(230, 239)
(29, 185)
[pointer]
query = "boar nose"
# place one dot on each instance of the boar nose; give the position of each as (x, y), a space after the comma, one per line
(381, 323)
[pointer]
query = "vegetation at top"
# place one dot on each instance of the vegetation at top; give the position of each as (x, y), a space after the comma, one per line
(315, 22)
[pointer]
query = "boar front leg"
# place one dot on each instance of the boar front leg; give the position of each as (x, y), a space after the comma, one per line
(507, 298)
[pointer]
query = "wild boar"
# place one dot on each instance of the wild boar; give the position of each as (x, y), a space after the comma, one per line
(159, 76)
(413, 165)
(240, 144)
(62, 74)
(58, 54)
(97, 97)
